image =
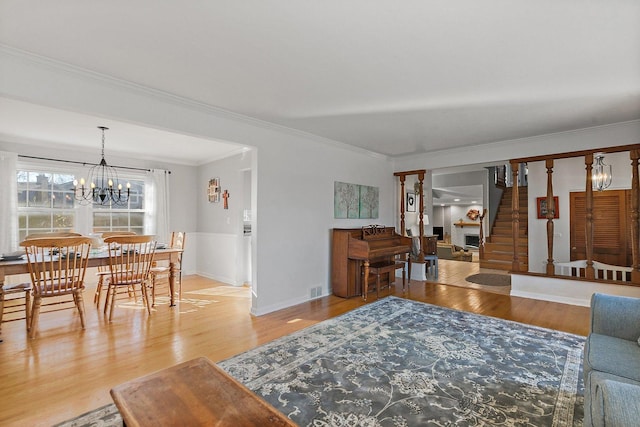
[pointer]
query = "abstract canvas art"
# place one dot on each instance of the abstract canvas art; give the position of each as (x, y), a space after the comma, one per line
(353, 201)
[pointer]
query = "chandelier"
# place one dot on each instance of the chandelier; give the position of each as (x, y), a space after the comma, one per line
(103, 185)
(601, 176)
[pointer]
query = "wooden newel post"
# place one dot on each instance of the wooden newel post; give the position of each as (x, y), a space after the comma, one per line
(551, 210)
(421, 217)
(515, 216)
(589, 270)
(635, 215)
(403, 230)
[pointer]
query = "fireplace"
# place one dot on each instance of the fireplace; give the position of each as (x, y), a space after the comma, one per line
(471, 241)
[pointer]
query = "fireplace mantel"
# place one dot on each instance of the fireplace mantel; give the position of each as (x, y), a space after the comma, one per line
(466, 224)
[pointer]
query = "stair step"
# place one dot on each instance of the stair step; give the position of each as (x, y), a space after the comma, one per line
(506, 216)
(503, 256)
(497, 238)
(504, 223)
(501, 265)
(505, 247)
(507, 231)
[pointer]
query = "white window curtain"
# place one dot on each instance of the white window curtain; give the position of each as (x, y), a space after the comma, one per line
(157, 211)
(8, 202)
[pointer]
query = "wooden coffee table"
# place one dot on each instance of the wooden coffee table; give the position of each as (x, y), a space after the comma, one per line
(193, 393)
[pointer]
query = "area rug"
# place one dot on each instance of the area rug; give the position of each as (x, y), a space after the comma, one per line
(490, 279)
(105, 416)
(397, 362)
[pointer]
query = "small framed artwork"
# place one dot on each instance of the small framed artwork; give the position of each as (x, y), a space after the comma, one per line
(541, 202)
(411, 202)
(213, 190)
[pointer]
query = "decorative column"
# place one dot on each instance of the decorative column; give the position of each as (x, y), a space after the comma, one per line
(551, 210)
(635, 215)
(402, 228)
(403, 176)
(481, 249)
(421, 215)
(515, 216)
(589, 271)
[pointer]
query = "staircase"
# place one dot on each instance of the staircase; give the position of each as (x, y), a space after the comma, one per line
(498, 248)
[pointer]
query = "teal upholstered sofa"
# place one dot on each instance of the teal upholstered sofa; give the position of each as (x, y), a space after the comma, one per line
(612, 362)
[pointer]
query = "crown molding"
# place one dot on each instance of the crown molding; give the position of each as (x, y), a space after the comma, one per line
(167, 97)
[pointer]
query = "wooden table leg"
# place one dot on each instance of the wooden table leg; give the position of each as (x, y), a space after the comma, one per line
(172, 282)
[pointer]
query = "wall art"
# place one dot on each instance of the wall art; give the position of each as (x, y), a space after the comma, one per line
(353, 201)
(213, 190)
(410, 202)
(542, 207)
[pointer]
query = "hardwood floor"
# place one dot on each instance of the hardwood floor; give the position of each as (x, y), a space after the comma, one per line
(66, 371)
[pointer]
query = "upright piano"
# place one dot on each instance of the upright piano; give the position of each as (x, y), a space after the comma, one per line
(354, 249)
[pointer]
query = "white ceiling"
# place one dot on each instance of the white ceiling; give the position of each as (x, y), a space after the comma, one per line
(37, 125)
(461, 195)
(393, 77)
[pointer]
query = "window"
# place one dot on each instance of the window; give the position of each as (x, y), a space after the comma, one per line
(128, 217)
(46, 203)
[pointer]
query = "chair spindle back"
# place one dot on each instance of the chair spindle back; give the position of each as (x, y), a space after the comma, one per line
(57, 266)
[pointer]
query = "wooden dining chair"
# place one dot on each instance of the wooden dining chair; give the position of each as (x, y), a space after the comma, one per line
(20, 302)
(103, 271)
(160, 274)
(130, 259)
(57, 267)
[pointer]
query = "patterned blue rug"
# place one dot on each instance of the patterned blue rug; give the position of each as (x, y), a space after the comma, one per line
(397, 362)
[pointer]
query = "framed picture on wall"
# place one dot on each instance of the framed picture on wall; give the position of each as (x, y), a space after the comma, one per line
(541, 202)
(213, 190)
(411, 202)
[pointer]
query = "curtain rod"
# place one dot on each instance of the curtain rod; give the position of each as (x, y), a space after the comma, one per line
(82, 163)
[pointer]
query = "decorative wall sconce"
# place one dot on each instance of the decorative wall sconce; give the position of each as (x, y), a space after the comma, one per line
(601, 177)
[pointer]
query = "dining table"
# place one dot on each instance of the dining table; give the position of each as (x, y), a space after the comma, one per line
(98, 258)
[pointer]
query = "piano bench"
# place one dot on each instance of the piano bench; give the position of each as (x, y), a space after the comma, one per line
(379, 268)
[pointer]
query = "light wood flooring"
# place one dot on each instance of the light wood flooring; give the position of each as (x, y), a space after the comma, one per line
(66, 371)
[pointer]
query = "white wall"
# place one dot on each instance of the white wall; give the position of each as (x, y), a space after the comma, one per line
(220, 240)
(574, 292)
